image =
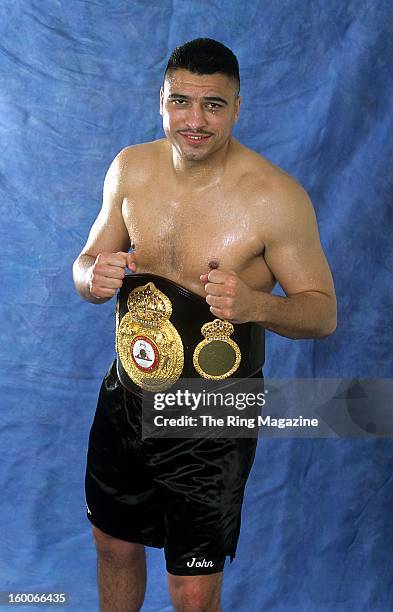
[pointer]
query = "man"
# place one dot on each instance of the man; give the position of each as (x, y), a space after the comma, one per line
(204, 212)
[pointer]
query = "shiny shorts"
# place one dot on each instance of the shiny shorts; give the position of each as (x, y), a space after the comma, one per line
(183, 495)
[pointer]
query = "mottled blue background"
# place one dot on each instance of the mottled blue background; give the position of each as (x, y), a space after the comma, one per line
(79, 81)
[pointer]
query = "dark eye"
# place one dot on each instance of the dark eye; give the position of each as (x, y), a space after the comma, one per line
(178, 101)
(213, 105)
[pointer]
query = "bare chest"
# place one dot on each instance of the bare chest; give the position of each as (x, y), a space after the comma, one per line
(178, 237)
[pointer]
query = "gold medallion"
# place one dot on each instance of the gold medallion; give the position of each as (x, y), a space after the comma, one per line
(217, 356)
(148, 345)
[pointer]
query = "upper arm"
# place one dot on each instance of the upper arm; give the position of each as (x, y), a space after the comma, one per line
(108, 233)
(293, 250)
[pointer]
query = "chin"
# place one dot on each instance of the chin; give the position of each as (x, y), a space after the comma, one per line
(194, 155)
(197, 156)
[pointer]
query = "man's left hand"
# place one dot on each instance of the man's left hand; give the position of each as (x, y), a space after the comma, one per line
(228, 296)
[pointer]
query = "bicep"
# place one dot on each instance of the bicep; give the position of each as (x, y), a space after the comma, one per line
(293, 251)
(109, 233)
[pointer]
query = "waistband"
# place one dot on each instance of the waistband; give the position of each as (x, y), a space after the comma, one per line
(161, 321)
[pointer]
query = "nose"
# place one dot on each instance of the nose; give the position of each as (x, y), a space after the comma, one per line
(195, 118)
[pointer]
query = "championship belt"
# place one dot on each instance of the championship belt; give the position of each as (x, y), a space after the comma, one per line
(217, 356)
(148, 345)
(159, 324)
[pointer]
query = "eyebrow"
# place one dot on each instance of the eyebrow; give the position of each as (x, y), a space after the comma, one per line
(208, 98)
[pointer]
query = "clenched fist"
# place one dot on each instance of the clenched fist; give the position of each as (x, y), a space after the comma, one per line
(108, 271)
(228, 296)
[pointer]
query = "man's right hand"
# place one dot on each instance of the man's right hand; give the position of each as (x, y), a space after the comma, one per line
(107, 273)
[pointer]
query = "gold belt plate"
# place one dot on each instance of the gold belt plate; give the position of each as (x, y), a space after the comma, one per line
(148, 345)
(217, 356)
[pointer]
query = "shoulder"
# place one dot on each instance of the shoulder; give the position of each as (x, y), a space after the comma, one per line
(277, 202)
(274, 192)
(137, 162)
(145, 150)
(268, 178)
(143, 156)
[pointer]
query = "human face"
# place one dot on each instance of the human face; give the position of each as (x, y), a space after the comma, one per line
(198, 112)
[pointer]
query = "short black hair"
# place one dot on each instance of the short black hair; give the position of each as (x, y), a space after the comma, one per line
(205, 56)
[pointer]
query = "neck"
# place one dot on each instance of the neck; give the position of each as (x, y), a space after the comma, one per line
(201, 173)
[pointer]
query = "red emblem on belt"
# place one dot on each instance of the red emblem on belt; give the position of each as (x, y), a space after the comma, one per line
(144, 353)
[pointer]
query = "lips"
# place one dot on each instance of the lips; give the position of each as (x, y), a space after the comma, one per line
(194, 139)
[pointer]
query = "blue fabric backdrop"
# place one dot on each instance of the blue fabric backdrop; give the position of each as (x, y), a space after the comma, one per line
(79, 81)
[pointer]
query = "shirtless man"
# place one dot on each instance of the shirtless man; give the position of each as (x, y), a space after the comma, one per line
(207, 213)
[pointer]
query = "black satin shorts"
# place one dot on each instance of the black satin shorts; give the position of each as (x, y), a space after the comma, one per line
(183, 495)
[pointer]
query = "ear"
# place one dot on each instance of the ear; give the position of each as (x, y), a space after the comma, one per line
(161, 100)
(238, 102)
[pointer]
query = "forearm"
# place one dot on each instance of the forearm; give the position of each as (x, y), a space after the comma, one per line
(309, 314)
(81, 271)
